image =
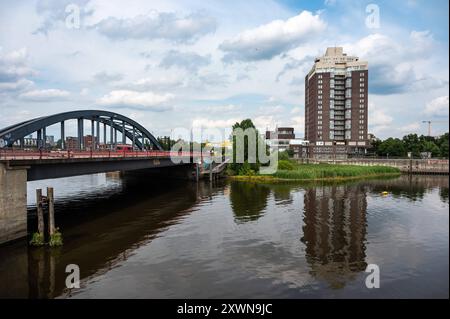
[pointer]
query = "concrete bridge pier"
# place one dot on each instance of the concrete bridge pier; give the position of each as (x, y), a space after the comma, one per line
(13, 203)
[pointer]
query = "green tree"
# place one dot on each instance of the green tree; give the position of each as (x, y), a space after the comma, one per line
(166, 142)
(412, 144)
(374, 145)
(392, 147)
(442, 143)
(246, 167)
(428, 146)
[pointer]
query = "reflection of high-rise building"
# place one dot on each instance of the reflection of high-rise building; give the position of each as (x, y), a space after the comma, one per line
(334, 232)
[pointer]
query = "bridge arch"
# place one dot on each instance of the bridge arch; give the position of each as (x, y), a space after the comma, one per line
(129, 128)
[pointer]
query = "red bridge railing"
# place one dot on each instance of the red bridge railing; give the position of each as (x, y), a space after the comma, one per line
(18, 154)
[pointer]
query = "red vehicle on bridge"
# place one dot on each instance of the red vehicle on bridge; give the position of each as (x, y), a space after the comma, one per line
(124, 148)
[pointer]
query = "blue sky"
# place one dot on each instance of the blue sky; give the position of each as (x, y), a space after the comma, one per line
(170, 64)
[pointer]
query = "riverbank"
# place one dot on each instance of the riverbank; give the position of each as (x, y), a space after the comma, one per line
(320, 172)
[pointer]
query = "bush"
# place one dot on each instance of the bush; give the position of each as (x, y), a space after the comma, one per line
(286, 165)
(311, 171)
(37, 239)
(230, 172)
(283, 156)
(56, 239)
(246, 170)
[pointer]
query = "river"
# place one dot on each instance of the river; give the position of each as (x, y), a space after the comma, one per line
(136, 238)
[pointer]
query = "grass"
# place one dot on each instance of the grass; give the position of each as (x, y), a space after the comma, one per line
(37, 239)
(323, 171)
(56, 239)
(294, 171)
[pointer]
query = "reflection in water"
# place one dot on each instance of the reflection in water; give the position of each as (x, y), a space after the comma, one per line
(413, 187)
(443, 192)
(134, 236)
(248, 200)
(334, 232)
(100, 230)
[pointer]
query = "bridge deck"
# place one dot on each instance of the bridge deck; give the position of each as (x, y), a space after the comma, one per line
(56, 164)
(7, 155)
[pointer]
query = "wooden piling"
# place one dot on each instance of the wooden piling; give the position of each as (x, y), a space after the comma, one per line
(51, 211)
(40, 212)
(210, 171)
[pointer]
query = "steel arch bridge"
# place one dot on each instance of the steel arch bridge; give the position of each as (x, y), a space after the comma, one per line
(136, 133)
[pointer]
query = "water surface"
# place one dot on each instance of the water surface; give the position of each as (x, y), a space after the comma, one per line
(139, 238)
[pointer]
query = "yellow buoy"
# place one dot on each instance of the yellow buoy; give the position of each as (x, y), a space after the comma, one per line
(384, 193)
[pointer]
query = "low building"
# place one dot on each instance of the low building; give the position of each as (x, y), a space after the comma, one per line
(30, 142)
(280, 138)
(50, 141)
(71, 143)
(299, 148)
(89, 142)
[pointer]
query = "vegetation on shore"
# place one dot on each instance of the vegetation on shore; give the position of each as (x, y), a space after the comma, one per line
(324, 171)
(290, 170)
(305, 172)
(395, 147)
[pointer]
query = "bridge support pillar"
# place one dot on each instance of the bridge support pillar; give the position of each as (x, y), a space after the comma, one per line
(13, 203)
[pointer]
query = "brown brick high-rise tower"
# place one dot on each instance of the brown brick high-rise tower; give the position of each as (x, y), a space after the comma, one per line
(336, 104)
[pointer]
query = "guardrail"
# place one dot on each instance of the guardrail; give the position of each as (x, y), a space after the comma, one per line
(14, 154)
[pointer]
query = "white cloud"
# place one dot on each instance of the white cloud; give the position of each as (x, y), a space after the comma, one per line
(105, 77)
(44, 95)
(20, 85)
(187, 60)
(379, 121)
(296, 110)
(379, 117)
(271, 110)
(298, 122)
(272, 39)
(133, 99)
(158, 25)
(438, 107)
(13, 71)
(264, 122)
(54, 13)
(150, 83)
(395, 66)
(410, 128)
(209, 123)
(219, 108)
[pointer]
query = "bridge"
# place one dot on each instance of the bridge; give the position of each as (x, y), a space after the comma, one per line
(99, 154)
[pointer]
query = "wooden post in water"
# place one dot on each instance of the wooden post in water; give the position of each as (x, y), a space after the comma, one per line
(51, 211)
(40, 212)
(197, 172)
(210, 171)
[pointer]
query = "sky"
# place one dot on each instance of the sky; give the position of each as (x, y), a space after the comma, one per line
(177, 64)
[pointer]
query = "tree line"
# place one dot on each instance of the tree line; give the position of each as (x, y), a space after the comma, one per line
(419, 146)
